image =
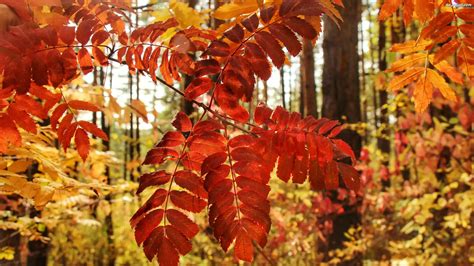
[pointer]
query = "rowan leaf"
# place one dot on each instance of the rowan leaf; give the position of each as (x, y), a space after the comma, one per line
(83, 105)
(232, 10)
(388, 8)
(182, 122)
(404, 79)
(198, 87)
(423, 94)
(93, 129)
(82, 143)
(439, 83)
(407, 62)
(10, 133)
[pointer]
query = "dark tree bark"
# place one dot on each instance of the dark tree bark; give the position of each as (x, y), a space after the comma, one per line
(341, 100)
(308, 83)
(187, 106)
(341, 87)
(383, 143)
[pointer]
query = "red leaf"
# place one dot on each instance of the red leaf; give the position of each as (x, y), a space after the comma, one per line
(212, 162)
(190, 181)
(182, 122)
(68, 133)
(198, 87)
(207, 67)
(327, 126)
(171, 139)
(84, 30)
(235, 34)
(181, 242)
(316, 178)
(335, 131)
(63, 126)
(100, 57)
(331, 179)
(287, 37)
(147, 225)
(55, 68)
(153, 179)
(251, 23)
(218, 49)
(22, 118)
(31, 106)
(186, 201)
(155, 201)
(82, 105)
(243, 249)
(93, 129)
(230, 105)
(259, 62)
(100, 37)
(9, 133)
(345, 149)
(267, 13)
(85, 61)
(350, 176)
(182, 222)
(271, 47)
(285, 167)
(159, 155)
(82, 143)
(262, 113)
(67, 34)
(301, 27)
(167, 254)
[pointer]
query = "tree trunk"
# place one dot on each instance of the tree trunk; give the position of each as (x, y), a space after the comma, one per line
(308, 82)
(341, 99)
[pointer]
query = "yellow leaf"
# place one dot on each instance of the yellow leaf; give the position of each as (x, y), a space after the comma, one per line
(407, 62)
(404, 79)
(235, 9)
(423, 94)
(185, 15)
(439, 83)
(162, 14)
(138, 107)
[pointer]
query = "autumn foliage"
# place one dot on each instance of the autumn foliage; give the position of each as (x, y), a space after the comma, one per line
(220, 162)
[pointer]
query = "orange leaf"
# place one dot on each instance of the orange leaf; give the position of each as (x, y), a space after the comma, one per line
(82, 105)
(404, 79)
(85, 61)
(446, 50)
(424, 9)
(388, 8)
(422, 94)
(9, 133)
(439, 83)
(139, 108)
